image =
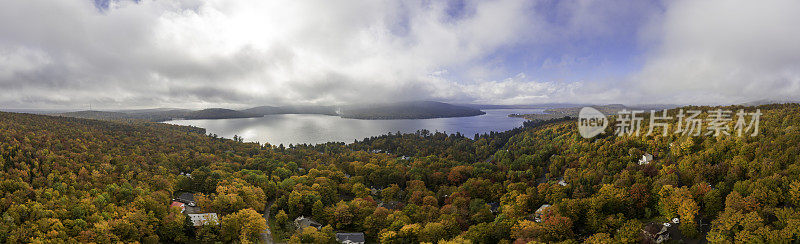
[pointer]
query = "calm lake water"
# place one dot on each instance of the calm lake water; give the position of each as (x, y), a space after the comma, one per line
(314, 129)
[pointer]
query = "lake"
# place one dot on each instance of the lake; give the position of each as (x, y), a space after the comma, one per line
(314, 128)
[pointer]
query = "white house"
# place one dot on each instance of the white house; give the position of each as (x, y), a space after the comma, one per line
(540, 212)
(646, 159)
(351, 238)
(561, 182)
(204, 219)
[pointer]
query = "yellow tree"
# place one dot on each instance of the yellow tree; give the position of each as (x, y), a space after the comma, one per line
(244, 226)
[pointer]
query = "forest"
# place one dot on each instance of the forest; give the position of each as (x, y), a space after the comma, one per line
(82, 180)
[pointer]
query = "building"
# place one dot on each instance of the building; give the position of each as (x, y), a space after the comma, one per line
(661, 232)
(539, 214)
(303, 222)
(204, 219)
(179, 204)
(494, 207)
(561, 182)
(187, 198)
(390, 205)
(350, 238)
(646, 159)
(655, 233)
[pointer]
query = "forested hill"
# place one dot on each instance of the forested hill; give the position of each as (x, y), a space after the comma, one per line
(400, 110)
(156, 115)
(80, 180)
(408, 110)
(218, 113)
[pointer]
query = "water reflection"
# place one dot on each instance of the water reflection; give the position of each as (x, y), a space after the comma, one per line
(313, 129)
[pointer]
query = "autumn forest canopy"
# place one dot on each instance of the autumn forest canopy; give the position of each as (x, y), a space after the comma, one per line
(82, 180)
(399, 121)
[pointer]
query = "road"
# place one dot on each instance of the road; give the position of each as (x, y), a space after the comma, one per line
(266, 235)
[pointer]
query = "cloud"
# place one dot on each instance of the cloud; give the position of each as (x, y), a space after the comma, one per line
(239, 53)
(721, 51)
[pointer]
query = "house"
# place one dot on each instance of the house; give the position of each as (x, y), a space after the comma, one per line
(646, 159)
(179, 204)
(561, 182)
(494, 207)
(655, 233)
(390, 205)
(350, 238)
(204, 219)
(303, 222)
(540, 212)
(660, 232)
(187, 198)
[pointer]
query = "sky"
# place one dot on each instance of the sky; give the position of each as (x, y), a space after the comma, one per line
(241, 53)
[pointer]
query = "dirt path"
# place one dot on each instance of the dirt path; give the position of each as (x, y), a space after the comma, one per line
(266, 235)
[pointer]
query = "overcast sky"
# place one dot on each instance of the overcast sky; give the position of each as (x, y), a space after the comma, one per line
(239, 53)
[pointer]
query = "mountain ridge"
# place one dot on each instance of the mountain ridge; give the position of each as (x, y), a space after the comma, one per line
(398, 110)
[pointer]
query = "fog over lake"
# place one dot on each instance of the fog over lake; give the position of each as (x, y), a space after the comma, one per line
(314, 129)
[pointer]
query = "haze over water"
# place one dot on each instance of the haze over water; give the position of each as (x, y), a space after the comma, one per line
(314, 129)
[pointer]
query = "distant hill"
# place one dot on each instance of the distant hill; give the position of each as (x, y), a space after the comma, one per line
(219, 113)
(610, 109)
(154, 115)
(767, 101)
(555, 113)
(160, 115)
(267, 110)
(408, 110)
(93, 114)
(402, 110)
(524, 106)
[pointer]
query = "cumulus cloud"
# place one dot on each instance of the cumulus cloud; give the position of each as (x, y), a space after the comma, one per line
(239, 53)
(722, 51)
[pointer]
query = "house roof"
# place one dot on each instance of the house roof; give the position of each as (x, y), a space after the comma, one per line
(390, 205)
(185, 197)
(493, 206)
(177, 204)
(303, 222)
(655, 229)
(351, 237)
(204, 219)
(542, 208)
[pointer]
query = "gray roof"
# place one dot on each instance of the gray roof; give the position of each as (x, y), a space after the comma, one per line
(542, 208)
(204, 219)
(185, 197)
(303, 222)
(352, 237)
